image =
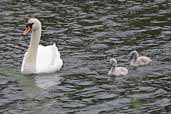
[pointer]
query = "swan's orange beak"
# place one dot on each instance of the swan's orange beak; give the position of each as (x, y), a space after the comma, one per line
(26, 30)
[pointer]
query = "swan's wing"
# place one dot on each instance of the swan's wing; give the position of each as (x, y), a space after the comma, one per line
(48, 59)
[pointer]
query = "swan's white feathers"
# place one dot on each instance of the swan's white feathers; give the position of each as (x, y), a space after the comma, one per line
(38, 58)
(48, 59)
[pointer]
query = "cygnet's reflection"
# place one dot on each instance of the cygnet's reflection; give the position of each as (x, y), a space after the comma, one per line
(47, 80)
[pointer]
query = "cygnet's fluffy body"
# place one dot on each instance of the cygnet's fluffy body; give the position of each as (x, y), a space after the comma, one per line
(117, 71)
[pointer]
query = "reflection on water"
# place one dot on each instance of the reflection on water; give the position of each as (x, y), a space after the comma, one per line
(27, 82)
(47, 80)
(88, 33)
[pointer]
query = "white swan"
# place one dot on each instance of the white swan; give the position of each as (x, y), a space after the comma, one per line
(137, 60)
(117, 71)
(38, 58)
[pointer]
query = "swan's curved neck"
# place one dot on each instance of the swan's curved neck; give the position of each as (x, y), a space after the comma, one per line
(34, 42)
(32, 50)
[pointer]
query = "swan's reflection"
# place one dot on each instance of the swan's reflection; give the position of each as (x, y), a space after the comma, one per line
(47, 80)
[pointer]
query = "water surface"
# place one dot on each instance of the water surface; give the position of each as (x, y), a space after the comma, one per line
(88, 33)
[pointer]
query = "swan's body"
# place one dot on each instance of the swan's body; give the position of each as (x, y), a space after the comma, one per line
(117, 71)
(38, 58)
(137, 60)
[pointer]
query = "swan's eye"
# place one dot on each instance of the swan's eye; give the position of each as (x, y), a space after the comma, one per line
(29, 25)
(28, 28)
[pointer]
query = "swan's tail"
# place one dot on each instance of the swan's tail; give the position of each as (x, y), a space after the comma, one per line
(55, 50)
(54, 45)
(55, 53)
(56, 59)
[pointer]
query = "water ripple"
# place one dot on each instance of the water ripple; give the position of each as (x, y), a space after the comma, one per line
(88, 34)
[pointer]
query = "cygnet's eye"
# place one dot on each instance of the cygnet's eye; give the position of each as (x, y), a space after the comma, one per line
(132, 55)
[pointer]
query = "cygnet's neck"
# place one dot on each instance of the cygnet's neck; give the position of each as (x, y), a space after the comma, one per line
(114, 65)
(33, 46)
(135, 57)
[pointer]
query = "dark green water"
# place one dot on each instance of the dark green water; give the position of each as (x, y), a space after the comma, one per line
(88, 33)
